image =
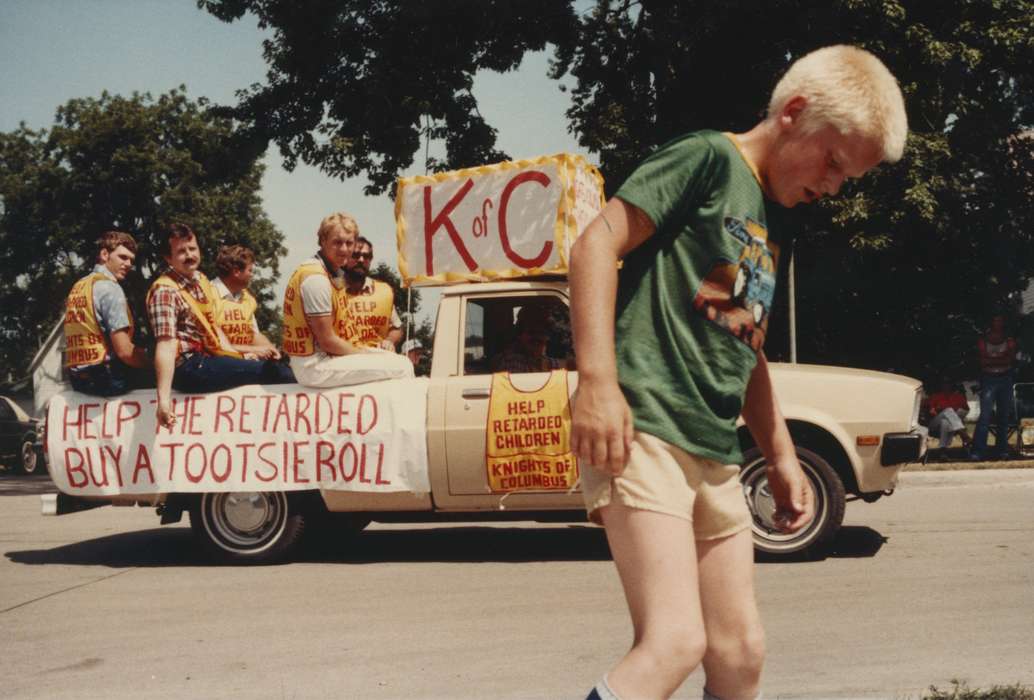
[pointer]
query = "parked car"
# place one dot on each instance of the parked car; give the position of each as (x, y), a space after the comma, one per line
(19, 438)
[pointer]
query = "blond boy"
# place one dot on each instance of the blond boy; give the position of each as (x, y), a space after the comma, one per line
(656, 411)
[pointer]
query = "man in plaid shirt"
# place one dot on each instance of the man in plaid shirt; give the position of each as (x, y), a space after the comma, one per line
(192, 353)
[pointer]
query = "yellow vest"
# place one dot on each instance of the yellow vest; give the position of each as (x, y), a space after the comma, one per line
(529, 436)
(237, 318)
(369, 315)
(85, 340)
(298, 338)
(205, 313)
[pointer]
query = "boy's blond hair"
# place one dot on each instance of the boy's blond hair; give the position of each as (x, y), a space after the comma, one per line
(849, 89)
(338, 220)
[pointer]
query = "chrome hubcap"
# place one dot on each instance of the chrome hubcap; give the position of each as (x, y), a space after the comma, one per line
(246, 512)
(28, 456)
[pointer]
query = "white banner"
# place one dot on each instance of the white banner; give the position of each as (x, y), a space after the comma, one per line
(368, 437)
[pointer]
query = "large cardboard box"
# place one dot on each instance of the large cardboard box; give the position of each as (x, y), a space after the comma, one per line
(500, 221)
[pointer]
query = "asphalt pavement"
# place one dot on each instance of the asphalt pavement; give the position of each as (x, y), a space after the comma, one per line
(934, 583)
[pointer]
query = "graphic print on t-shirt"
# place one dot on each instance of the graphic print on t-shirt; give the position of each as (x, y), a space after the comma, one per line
(737, 295)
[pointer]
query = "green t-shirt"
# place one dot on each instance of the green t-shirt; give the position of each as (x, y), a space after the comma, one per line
(693, 300)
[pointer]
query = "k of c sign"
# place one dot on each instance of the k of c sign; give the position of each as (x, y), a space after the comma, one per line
(498, 221)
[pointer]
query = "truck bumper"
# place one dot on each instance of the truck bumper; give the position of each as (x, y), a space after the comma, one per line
(62, 504)
(904, 448)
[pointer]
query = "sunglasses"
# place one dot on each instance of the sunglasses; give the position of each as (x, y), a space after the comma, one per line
(363, 256)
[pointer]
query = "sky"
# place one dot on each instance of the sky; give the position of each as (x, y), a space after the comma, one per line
(54, 50)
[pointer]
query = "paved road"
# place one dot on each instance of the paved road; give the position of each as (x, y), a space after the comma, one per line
(934, 583)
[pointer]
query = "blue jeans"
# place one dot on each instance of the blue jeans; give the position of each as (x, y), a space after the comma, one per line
(995, 393)
(105, 379)
(202, 374)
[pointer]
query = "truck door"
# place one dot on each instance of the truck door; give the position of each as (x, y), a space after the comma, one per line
(490, 343)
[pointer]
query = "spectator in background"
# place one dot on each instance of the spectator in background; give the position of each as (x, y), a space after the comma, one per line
(997, 361)
(947, 409)
(236, 265)
(414, 350)
(98, 322)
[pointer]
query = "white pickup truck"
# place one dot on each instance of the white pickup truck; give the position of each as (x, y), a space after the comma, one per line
(854, 431)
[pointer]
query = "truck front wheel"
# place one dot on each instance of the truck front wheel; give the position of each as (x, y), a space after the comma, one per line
(830, 502)
(247, 527)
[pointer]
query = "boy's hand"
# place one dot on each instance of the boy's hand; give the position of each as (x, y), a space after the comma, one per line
(795, 502)
(601, 426)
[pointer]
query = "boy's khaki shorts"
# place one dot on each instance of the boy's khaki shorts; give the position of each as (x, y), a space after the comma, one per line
(663, 478)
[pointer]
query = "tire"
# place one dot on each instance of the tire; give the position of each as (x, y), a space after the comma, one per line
(29, 459)
(248, 527)
(830, 501)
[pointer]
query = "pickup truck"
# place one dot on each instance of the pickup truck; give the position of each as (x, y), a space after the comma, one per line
(854, 431)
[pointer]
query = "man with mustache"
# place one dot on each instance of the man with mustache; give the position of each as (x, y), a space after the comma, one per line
(192, 353)
(99, 324)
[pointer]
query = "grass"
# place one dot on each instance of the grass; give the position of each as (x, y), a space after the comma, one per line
(960, 690)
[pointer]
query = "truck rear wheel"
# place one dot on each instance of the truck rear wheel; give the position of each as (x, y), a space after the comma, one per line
(248, 527)
(830, 501)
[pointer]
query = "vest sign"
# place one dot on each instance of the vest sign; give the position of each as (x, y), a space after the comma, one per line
(496, 221)
(528, 436)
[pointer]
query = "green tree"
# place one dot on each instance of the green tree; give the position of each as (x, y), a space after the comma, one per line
(407, 309)
(133, 164)
(899, 272)
(353, 85)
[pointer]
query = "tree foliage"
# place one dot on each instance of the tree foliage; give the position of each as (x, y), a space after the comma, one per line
(407, 302)
(354, 84)
(900, 272)
(408, 310)
(133, 164)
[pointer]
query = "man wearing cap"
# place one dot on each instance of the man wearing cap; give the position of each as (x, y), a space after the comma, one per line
(414, 350)
(98, 322)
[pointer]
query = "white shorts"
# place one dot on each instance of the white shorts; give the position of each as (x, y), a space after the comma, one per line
(323, 371)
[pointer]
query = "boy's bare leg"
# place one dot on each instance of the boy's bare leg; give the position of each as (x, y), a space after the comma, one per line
(735, 637)
(656, 560)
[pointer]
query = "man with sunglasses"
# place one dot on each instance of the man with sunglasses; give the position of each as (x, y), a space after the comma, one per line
(373, 321)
